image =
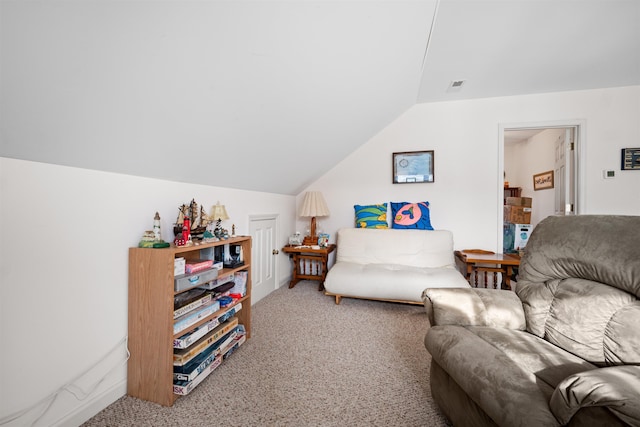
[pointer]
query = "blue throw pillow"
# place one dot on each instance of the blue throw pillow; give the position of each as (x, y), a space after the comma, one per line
(371, 216)
(411, 215)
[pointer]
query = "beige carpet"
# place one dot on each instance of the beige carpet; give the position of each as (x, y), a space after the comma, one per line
(309, 362)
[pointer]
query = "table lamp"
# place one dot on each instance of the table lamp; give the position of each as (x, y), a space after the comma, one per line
(219, 213)
(313, 206)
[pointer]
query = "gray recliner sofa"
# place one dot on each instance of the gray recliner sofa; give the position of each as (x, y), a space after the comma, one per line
(563, 349)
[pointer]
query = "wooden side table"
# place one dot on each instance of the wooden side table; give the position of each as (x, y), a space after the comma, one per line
(309, 263)
(489, 262)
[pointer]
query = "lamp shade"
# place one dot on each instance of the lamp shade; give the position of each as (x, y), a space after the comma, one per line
(219, 212)
(314, 205)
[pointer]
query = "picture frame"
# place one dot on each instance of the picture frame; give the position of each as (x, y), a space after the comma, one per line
(543, 181)
(630, 159)
(412, 167)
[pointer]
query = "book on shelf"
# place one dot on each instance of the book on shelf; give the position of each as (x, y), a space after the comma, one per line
(191, 318)
(218, 282)
(194, 368)
(238, 340)
(185, 387)
(230, 312)
(183, 356)
(240, 286)
(195, 265)
(185, 382)
(190, 300)
(189, 338)
(193, 364)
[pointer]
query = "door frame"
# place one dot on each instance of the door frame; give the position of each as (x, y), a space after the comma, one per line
(579, 176)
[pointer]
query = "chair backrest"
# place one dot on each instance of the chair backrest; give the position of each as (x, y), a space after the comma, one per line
(579, 282)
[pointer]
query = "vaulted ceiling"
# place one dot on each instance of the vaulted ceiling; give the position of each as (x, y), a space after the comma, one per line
(269, 95)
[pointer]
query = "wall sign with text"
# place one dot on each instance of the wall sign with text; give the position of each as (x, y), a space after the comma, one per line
(630, 159)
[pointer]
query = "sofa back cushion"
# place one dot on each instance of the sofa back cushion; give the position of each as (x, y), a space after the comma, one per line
(589, 319)
(415, 248)
(580, 282)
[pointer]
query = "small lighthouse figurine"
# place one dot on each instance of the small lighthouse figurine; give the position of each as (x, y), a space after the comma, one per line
(186, 229)
(156, 228)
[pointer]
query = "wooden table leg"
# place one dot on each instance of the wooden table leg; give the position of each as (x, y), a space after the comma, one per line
(507, 278)
(323, 266)
(294, 275)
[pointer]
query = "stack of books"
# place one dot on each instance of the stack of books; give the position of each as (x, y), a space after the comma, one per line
(191, 369)
(201, 350)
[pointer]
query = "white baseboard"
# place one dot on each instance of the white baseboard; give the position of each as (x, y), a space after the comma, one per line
(92, 406)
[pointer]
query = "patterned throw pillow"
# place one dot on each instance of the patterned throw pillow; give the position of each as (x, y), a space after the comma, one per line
(371, 216)
(411, 215)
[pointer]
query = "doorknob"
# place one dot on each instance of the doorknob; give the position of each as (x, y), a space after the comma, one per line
(275, 252)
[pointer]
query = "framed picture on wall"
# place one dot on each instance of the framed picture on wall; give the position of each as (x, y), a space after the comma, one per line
(412, 167)
(543, 181)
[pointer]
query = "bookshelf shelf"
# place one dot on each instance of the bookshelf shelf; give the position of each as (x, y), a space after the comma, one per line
(150, 325)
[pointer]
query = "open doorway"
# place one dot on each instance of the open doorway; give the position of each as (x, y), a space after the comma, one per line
(550, 152)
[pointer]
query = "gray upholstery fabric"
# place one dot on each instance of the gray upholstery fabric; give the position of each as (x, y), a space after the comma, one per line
(520, 379)
(615, 387)
(577, 314)
(600, 248)
(564, 349)
(448, 395)
(622, 336)
(474, 306)
(579, 277)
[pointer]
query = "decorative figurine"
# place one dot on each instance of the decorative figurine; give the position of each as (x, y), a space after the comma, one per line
(199, 224)
(177, 227)
(156, 228)
(193, 214)
(323, 240)
(296, 239)
(186, 229)
(148, 238)
(233, 230)
(153, 238)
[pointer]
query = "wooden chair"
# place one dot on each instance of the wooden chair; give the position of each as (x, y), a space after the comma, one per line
(479, 274)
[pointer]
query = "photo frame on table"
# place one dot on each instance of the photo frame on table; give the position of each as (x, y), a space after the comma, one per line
(411, 167)
(543, 181)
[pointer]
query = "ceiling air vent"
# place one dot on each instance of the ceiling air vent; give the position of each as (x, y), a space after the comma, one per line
(455, 86)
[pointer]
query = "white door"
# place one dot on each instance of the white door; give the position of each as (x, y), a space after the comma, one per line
(263, 256)
(564, 176)
(559, 175)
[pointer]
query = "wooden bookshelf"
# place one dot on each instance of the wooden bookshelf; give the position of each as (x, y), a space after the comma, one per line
(150, 330)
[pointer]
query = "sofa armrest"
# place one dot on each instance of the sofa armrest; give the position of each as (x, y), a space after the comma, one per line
(474, 307)
(616, 387)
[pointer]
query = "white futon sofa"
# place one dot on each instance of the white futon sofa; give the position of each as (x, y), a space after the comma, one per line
(392, 264)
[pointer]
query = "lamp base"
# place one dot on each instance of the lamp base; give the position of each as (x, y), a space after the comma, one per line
(310, 241)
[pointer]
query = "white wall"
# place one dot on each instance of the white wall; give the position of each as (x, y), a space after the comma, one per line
(65, 231)
(533, 156)
(65, 234)
(466, 196)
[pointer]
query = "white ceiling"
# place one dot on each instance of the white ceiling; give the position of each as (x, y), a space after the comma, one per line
(269, 95)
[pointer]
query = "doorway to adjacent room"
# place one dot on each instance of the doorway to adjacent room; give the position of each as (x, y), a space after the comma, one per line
(550, 151)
